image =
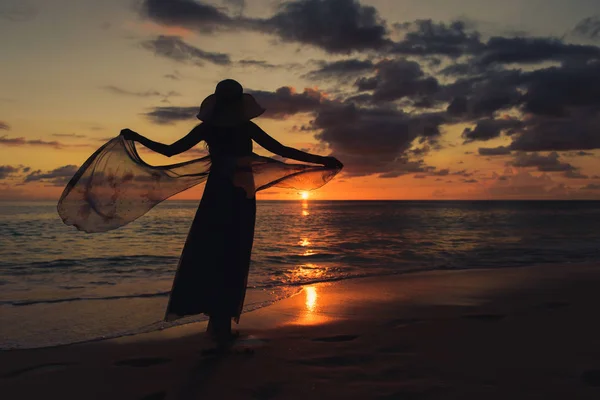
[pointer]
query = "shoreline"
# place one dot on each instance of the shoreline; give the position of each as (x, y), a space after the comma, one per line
(525, 332)
(265, 304)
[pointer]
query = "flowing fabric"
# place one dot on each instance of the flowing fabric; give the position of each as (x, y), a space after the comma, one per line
(115, 186)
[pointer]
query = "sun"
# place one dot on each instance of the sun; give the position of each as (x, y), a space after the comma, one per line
(304, 195)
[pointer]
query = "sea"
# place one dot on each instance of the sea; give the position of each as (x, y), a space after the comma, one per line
(60, 286)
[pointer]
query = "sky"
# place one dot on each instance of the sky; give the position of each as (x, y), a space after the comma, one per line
(420, 99)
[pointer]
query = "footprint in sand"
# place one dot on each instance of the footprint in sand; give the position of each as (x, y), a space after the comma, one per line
(155, 396)
(36, 368)
(485, 317)
(142, 362)
(591, 377)
(336, 338)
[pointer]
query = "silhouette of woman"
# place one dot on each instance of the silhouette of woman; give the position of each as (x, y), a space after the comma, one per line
(212, 273)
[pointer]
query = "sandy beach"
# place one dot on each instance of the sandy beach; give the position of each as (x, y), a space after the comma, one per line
(527, 333)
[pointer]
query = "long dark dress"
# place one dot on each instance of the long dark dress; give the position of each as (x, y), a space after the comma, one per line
(213, 269)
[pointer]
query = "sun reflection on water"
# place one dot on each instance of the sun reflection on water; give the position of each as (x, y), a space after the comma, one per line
(305, 208)
(311, 298)
(304, 242)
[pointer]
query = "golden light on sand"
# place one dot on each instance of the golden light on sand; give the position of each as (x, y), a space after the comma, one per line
(304, 195)
(311, 298)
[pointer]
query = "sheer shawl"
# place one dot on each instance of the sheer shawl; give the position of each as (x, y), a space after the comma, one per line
(115, 186)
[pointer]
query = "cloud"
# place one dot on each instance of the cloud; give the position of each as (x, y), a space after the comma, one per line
(397, 79)
(340, 69)
(57, 177)
(588, 27)
(591, 186)
(559, 134)
(257, 63)
(487, 129)
(548, 163)
(523, 50)
(195, 15)
(336, 26)
(374, 140)
(21, 141)
(149, 93)
(238, 5)
(572, 174)
(524, 185)
(6, 170)
(494, 151)
(285, 101)
(427, 38)
(174, 48)
(169, 115)
(4, 126)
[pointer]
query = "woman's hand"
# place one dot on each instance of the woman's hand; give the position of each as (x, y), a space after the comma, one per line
(332, 162)
(128, 134)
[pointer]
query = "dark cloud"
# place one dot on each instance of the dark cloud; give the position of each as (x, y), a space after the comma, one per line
(285, 101)
(375, 140)
(397, 79)
(589, 28)
(147, 93)
(555, 91)
(591, 186)
(257, 63)
(483, 95)
(191, 14)
(548, 163)
(6, 170)
(341, 69)
(176, 49)
(559, 134)
(579, 154)
(427, 38)
(21, 141)
(336, 26)
(573, 174)
(523, 50)
(494, 151)
(169, 115)
(59, 176)
(487, 129)
(4, 126)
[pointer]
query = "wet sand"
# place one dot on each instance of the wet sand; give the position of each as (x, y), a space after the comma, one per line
(525, 333)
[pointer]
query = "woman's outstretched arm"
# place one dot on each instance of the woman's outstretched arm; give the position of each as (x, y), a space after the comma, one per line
(272, 145)
(185, 143)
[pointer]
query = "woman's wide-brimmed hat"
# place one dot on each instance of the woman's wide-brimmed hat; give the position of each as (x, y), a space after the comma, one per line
(229, 105)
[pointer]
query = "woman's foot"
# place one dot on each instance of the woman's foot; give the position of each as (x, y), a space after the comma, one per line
(219, 329)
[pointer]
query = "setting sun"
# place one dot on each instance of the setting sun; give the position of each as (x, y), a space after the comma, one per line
(304, 195)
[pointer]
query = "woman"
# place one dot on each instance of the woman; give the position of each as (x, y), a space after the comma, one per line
(213, 269)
